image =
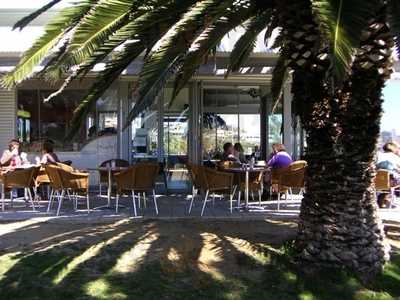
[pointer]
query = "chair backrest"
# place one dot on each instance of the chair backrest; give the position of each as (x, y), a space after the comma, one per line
(141, 176)
(218, 180)
(21, 178)
(54, 175)
(297, 165)
(382, 180)
(118, 163)
(197, 176)
(293, 176)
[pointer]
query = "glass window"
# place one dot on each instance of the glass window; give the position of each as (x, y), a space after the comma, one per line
(250, 135)
(231, 114)
(39, 120)
(275, 124)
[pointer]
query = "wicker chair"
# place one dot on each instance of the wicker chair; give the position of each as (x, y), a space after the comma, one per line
(199, 184)
(139, 178)
(383, 185)
(217, 182)
(19, 178)
(290, 178)
(64, 180)
(104, 174)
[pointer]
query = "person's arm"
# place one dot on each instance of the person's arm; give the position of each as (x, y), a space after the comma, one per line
(6, 157)
(271, 162)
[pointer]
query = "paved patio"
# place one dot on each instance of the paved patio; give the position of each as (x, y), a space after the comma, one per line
(173, 206)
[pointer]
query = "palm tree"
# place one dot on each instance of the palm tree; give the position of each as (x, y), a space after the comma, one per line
(317, 41)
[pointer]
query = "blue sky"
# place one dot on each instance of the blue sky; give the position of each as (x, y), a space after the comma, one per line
(391, 106)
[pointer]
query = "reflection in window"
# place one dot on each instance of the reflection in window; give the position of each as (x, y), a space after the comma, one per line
(39, 120)
(275, 124)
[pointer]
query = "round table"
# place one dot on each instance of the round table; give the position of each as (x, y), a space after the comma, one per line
(246, 170)
(110, 171)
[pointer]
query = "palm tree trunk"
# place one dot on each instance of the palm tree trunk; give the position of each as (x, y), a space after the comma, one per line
(362, 97)
(338, 224)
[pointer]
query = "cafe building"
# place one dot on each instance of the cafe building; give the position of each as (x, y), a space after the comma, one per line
(208, 112)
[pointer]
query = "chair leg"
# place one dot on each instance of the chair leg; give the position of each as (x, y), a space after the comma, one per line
(60, 199)
(231, 201)
(191, 203)
(213, 200)
(279, 199)
(259, 197)
(50, 200)
(2, 197)
(87, 202)
(138, 200)
(392, 195)
(134, 203)
(238, 201)
(291, 194)
(204, 204)
(144, 200)
(116, 203)
(31, 198)
(155, 201)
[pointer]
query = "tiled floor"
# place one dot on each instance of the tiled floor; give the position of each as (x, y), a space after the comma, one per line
(170, 207)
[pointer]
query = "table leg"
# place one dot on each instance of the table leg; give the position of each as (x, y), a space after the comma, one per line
(109, 189)
(246, 192)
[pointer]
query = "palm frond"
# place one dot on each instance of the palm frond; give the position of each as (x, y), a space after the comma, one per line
(393, 13)
(112, 71)
(173, 46)
(205, 43)
(54, 32)
(342, 23)
(246, 43)
(29, 18)
(279, 76)
(146, 28)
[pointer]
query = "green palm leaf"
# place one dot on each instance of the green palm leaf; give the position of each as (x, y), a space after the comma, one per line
(342, 23)
(279, 76)
(54, 32)
(206, 42)
(246, 43)
(171, 47)
(112, 71)
(145, 27)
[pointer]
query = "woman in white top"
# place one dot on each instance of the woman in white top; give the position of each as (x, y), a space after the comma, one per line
(13, 156)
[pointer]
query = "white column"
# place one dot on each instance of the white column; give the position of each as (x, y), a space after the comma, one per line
(288, 138)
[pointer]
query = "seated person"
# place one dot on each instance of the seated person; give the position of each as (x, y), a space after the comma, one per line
(238, 152)
(389, 160)
(13, 156)
(228, 153)
(48, 153)
(279, 157)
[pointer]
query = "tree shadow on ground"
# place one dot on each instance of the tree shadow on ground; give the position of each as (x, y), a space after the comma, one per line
(169, 260)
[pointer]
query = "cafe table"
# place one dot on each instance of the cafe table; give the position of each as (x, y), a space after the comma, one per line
(110, 170)
(246, 170)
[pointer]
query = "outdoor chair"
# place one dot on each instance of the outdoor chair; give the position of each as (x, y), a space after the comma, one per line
(217, 182)
(290, 178)
(383, 185)
(137, 179)
(19, 179)
(64, 180)
(199, 185)
(104, 174)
